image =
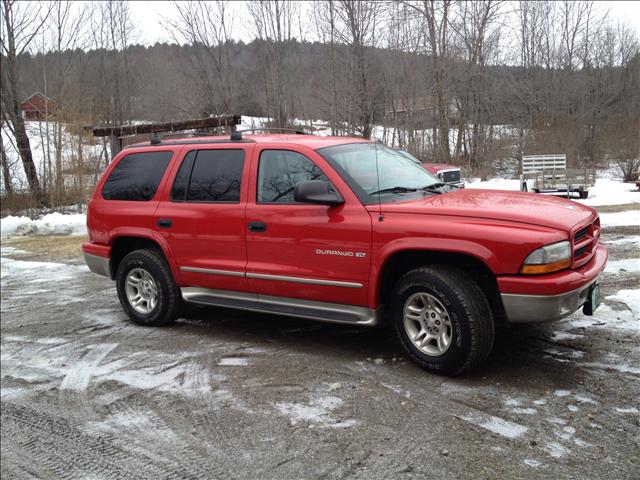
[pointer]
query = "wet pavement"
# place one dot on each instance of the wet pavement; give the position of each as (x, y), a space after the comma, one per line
(225, 394)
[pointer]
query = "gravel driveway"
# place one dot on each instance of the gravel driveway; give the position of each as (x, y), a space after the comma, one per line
(224, 394)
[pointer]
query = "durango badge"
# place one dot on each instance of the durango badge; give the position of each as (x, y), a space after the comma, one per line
(340, 253)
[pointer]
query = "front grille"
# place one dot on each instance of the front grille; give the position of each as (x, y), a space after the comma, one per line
(451, 176)
(580, 251)
(580, 234)
(585, 242)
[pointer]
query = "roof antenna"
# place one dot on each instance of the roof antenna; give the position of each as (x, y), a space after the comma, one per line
(375, 147)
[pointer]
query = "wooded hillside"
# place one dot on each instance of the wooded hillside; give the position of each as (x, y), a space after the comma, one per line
(472, 83)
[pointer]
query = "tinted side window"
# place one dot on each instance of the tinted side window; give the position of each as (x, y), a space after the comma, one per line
(280, 171)
(181, 182)
(210, 176)
(136, 177)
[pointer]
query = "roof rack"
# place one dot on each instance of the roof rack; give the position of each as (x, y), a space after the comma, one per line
(277, 129)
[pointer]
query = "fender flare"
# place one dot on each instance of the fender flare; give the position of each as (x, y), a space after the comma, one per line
(148, 234)
(445, 245)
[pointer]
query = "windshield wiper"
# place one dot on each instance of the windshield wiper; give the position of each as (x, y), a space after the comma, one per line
(434, 187)
(394, 190)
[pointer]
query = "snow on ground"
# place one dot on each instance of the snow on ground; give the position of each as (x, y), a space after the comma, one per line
(611, 192)
(493, 184)
(621, 219)
(631, 298)
(316, 411)
(606, 318)
(605, 192)
(51, 224)
(630, 265)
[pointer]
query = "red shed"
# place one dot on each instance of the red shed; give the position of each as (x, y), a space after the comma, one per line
(38, 107)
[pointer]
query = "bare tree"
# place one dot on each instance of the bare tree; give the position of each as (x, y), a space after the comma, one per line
(435, 15)
(359, 20)
(6, 173)
(206, 27)
(477, 26)
(114, 31)
(65, 31)
(21, 22)
(274, 23)
(324, 16)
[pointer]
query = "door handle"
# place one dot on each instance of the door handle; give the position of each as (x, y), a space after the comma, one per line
(164, 222)
(257, 227)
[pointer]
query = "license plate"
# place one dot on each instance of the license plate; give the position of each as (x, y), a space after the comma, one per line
(593, 301)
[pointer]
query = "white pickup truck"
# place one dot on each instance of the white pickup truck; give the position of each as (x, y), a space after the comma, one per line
(549, 174)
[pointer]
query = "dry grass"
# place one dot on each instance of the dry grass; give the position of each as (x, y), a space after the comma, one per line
(49, 247)
(616, 208)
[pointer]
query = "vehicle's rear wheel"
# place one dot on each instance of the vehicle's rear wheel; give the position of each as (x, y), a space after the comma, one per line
(146, 288)
(442, 319)
(584, 194)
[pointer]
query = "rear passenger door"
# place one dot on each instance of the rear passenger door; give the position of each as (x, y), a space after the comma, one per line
(130, 194)
(202, 217)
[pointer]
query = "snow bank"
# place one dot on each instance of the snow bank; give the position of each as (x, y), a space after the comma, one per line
(9, 225)
(51, 224)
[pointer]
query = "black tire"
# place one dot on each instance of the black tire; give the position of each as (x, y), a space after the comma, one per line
(584, 194)
(168, 295)
(471, 320)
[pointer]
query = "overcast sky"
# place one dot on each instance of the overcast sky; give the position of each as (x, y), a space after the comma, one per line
(149, 16)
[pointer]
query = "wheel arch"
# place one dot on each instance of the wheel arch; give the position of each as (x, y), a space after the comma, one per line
(402, 261)
(125, 243)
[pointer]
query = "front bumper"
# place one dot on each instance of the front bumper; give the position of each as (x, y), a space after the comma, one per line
(544, 308)
(536, 307)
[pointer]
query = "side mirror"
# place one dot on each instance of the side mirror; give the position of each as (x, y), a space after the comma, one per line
(318, 192)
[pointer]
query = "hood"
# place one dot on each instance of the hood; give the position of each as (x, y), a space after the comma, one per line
(436, 167)
(521, 207)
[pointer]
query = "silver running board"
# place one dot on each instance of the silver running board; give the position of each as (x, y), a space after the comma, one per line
(291, 307)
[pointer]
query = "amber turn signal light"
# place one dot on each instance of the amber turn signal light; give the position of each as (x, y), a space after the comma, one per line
(545, 268)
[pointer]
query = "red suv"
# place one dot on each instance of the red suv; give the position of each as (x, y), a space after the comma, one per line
(340, 230)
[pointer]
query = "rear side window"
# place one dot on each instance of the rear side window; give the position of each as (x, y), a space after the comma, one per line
(136, 177)
(280, 171)
(209, 176)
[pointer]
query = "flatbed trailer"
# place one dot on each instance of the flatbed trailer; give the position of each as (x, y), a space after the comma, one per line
(549, 174)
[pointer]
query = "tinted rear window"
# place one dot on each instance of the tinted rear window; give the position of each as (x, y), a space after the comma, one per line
(209, 176)
(136, 177)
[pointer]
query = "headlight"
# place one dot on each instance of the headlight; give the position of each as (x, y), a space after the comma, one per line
(548, 259)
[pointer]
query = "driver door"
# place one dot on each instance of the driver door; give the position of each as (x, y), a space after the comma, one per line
(295, 250)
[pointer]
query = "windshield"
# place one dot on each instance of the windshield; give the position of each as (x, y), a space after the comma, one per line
(409, 156)
(395, 175)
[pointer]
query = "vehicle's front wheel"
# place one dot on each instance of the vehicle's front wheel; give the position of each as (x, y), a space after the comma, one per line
(443, 319)
(146, 288)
